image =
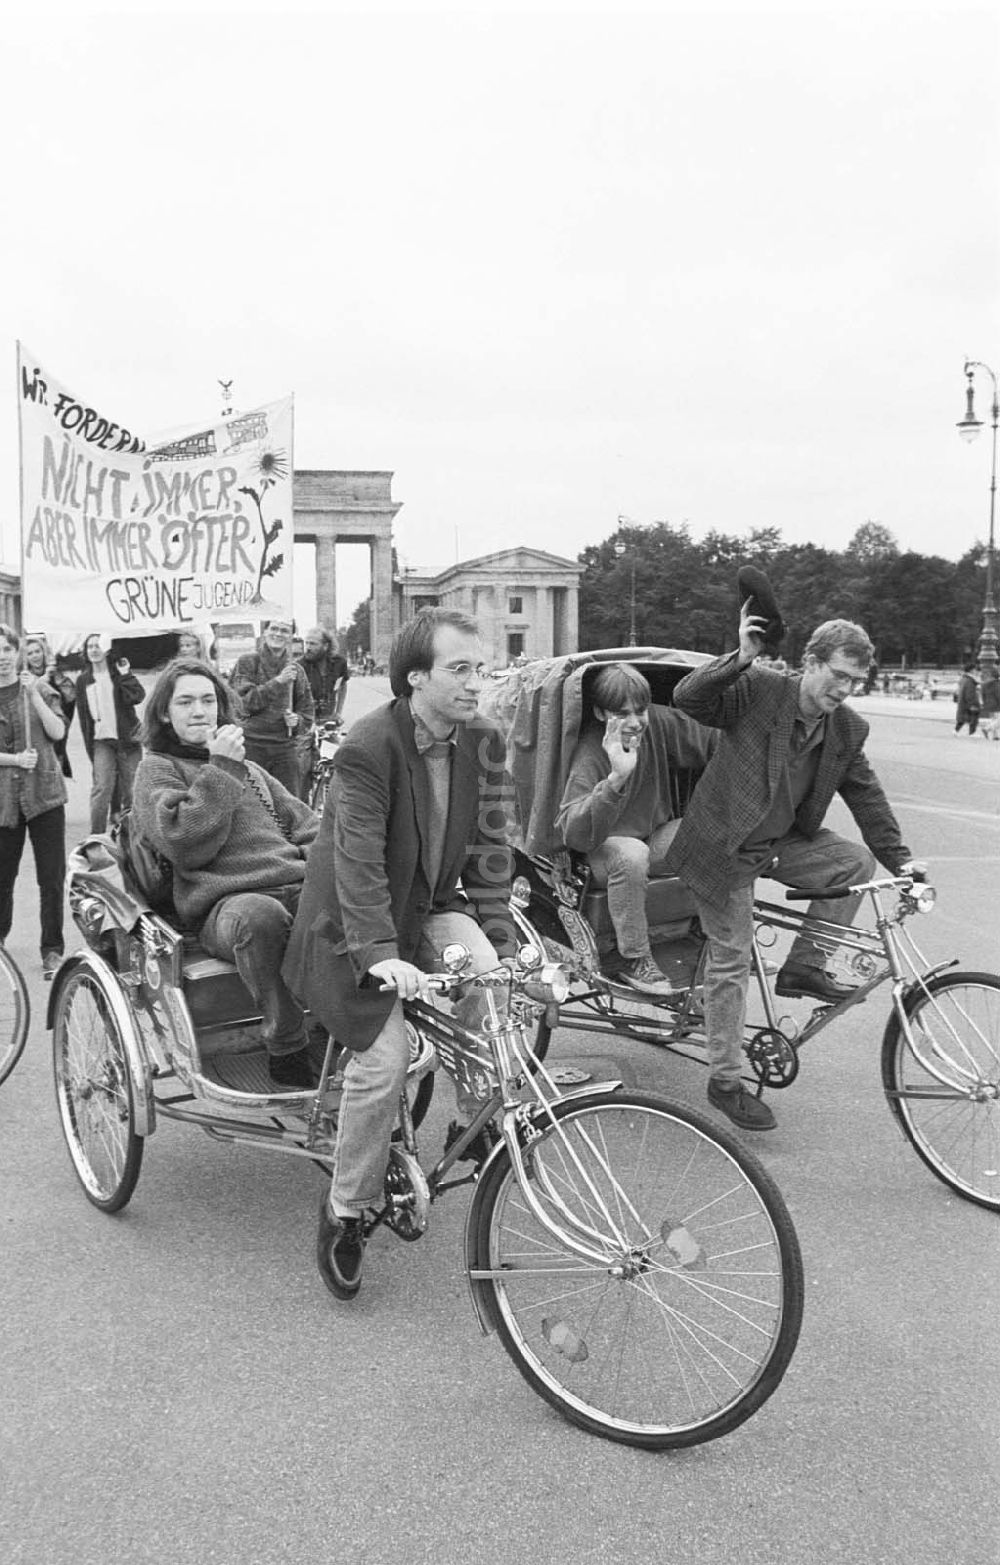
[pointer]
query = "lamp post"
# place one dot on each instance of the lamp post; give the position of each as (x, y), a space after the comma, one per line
(621, 547)
(969, 428)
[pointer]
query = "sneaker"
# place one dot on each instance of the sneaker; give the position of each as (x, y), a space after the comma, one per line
(340, 1252)
(740, 1106)
(479, 1147)
(293, 1070)
(51, 961)
(641, 972)
(798, 978)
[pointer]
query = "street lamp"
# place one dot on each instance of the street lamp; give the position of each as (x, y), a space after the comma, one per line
(621, 547)
(969, 428)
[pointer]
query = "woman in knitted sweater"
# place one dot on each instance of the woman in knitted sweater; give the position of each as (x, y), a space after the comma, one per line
(237, 841)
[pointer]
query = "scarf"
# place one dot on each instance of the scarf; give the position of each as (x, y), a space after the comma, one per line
(166, 742)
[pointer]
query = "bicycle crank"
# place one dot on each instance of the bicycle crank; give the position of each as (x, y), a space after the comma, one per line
(773, 1060)
(407, 1196)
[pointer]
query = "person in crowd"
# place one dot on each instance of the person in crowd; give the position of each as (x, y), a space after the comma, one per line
(967, 710)
(789, 743)
(237, 841)
(107, 695)
(38, 660)
(616, 804)
(190, 645)
(327, 673)
(32, 794)
(277, 704)
(411, 856)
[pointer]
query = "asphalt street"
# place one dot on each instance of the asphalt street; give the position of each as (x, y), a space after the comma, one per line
(178, 1386)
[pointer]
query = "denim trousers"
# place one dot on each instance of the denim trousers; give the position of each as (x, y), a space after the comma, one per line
(48, 843)
(624, 865)
(280, 761)
(373, 1078)
(251, 929)
(113, 764)
(825, 861)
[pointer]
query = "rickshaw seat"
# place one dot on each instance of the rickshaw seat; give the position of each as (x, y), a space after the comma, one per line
(215, 993)
(669, 910)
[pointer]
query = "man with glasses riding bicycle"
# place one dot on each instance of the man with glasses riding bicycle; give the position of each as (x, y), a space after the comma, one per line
(788, 744)
(412, 856)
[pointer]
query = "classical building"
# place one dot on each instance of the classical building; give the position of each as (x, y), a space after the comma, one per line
(331, 508)
(10, 600)
(524, 600)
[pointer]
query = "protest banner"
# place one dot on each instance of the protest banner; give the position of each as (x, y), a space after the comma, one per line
(130, 538)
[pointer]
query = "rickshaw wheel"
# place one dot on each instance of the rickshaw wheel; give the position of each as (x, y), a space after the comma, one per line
(95, 1092)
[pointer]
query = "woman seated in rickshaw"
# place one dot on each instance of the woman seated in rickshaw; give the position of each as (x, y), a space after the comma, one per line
(617, 807)
(236, 840)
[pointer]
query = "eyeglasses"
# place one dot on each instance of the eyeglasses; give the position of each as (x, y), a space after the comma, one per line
(845, 681)
(463, 672)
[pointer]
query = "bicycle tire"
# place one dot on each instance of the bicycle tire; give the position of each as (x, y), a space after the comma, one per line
(659, 1344)
(15, 1013)
(956, 1136)
(95, 1092)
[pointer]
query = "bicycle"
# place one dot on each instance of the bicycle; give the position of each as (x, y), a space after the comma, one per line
(15, 1013)
(940, 1059)
(326, 738)
(639, 1266)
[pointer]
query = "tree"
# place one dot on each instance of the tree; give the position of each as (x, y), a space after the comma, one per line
(872, 542)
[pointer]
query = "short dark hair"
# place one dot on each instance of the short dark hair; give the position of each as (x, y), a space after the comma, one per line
(619, 687)
(839, 635)
(155, 722)
(412, 650)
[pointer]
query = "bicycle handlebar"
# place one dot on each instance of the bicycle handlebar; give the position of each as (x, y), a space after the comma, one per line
(823, 894)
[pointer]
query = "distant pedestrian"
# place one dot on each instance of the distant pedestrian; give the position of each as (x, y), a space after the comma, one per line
(277, 705)
(967, 710)
(38, 660)
(107, 695)
(32, 795)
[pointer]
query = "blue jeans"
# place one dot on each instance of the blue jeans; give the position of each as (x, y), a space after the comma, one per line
(251, 929)
(825, 861)
(113, 764)
(624, 865)
(373, 1079)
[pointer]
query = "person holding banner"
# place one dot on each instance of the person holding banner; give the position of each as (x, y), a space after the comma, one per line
(277, 704)
(32, 795)
(39, 660)
(107, 695)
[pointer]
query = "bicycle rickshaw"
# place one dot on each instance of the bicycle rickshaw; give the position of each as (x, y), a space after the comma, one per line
(638, 1266)
(940, 1057)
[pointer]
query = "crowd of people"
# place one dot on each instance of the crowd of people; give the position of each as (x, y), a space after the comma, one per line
(337, 921)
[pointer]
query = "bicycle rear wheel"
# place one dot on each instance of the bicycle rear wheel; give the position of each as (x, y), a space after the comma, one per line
(685, 1322)
(953, 1126)
(15, 1013)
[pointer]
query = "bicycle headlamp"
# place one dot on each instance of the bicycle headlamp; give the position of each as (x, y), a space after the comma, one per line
(924, 898)
(549, 984)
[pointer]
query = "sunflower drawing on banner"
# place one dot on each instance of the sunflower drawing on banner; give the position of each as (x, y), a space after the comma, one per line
(272, 470)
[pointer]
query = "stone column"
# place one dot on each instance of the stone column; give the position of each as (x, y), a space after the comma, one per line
(542, 629)
(381, 599)
(326, 583)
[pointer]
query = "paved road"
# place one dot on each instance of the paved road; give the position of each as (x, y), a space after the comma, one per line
(177, 1386)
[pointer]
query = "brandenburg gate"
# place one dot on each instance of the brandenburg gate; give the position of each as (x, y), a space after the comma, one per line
(335, 507)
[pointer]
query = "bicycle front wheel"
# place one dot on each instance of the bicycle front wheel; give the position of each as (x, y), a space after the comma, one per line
(95, 1092)
(952, 1125)
(15, 1013)
(684, 1321)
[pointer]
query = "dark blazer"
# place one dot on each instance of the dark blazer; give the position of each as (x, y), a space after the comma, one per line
(755, 708)
(367, 894)
(128, 694)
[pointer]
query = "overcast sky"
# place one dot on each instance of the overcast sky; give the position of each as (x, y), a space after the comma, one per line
(712, 265)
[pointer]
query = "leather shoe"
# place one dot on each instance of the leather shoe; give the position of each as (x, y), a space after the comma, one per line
(740, 1106)
(340, 1252)
(796, 978)
(292, 1070)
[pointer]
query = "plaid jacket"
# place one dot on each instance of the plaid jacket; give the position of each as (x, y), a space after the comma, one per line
(755, 708)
